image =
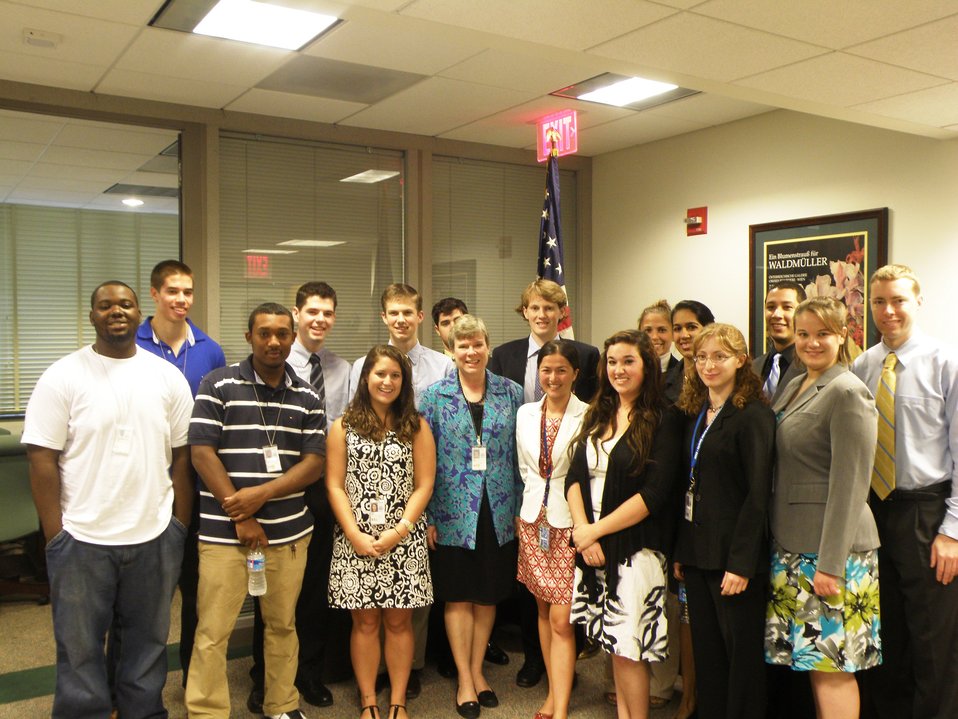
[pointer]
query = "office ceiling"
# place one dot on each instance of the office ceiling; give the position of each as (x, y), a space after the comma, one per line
(482, 70)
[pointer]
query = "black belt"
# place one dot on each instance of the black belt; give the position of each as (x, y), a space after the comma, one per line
(933, 492)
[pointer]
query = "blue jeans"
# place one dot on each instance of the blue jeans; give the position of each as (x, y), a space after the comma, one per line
(92, 586)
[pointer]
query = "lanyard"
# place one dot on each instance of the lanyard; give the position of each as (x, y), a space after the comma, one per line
(695, 447)
(545, 455)
(475, 411)
(279, 411)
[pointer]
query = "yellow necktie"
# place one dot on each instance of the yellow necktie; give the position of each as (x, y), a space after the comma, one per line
(883, 476)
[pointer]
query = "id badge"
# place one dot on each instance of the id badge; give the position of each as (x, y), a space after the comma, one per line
(377, 511)
(544, 538)
(689, 503)
(124, 439)
(271, 455)
(479, 458)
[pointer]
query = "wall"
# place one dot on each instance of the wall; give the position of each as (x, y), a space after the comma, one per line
(777, 166)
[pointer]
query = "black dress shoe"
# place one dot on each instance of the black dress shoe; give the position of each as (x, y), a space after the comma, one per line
(254, 702)
(315, 692)
(488, 699)
(530, 674)
(468, 710)
(414, 685)
(494, 655)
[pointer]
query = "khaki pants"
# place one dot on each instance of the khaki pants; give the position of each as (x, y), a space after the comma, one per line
(222, 590)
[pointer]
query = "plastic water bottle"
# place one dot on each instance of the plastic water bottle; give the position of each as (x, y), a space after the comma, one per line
(256, 569)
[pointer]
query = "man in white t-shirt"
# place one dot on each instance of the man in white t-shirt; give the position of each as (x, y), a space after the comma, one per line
(106, 431)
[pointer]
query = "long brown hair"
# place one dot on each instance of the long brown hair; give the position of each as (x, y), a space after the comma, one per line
(748, 386)
(647, 411)
(360, 415)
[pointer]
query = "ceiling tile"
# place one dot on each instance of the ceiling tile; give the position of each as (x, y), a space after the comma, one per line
(131, 12)
(57, 198)
(515, 127)
(826, 22)
(25, 151)
(709, 109)
(94, 158)
(381, 5)
(67, 184)
(436, 105)
(930, 48)
(937, 106)
(840, 79)
(338, 80)
(713, 49)
(570, 24)
(85, 40)
(14, 168)
(103, 137)
(46, 71)
(169, 89)
(287, 104)
(197, 57)
(629, 131)
(78, 172)
(405, 45)
(519, 72)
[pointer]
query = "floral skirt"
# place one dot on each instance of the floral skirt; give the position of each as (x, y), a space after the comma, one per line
(824, 634)
(547, 573)
(633, 624)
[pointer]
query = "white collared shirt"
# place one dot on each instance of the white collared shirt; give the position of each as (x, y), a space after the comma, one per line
(529, 381)
(335, 377)
(428, 367)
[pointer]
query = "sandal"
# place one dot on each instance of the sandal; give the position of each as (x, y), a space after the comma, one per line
(657, 702)
(394, 710)
(373, 711)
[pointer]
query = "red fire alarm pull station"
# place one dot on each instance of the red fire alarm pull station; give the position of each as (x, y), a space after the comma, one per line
(696, 221)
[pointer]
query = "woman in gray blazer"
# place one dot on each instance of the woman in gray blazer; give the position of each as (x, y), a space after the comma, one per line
(823, 606)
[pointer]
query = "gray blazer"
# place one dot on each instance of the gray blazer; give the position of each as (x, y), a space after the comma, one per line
(795, 368)
(825, 449)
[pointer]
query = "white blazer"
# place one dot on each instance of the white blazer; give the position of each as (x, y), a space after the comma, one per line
(528, 441)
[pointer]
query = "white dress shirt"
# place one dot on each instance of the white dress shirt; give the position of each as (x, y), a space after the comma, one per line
(335, 377)
(428, 367)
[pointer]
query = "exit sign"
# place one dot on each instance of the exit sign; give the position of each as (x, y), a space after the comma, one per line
(562, 126)
(257, 267)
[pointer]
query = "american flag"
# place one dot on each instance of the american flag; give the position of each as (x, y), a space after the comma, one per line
(550, 264)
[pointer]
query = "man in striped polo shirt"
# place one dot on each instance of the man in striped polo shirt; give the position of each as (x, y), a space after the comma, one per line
(258, 437)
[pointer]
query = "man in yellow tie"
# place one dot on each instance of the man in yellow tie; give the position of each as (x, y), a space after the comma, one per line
(915, 502)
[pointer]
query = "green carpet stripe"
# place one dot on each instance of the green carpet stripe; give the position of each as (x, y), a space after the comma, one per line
(39, 681)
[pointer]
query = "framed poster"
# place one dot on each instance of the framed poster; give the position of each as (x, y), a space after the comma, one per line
(831, 256)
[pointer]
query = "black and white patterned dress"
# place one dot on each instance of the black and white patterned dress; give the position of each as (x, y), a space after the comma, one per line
(400, 579)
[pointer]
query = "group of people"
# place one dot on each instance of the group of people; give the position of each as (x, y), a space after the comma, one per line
(768, 496)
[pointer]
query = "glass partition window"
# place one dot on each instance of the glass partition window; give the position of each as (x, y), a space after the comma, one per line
(486, 238)
(291, 212)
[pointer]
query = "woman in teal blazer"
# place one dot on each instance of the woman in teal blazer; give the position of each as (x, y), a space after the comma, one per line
(472, 414)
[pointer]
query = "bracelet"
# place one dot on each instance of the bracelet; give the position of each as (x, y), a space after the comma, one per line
(407, 524)
(397, 532)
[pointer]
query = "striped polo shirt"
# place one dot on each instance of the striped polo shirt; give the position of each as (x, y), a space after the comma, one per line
(239, 415)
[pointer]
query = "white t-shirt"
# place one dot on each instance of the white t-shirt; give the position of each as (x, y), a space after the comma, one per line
(598, 467)
(115, 423)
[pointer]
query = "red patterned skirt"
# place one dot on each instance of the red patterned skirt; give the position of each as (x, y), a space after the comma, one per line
(547, 574)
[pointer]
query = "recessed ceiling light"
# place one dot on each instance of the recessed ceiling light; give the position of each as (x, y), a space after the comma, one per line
(256, 251)
(632, 93)
(312, 243)
(263, 24)
(371, 176)
(132, 202)
(627, 91)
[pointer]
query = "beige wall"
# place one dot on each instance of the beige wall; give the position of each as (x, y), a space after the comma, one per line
(777, 166)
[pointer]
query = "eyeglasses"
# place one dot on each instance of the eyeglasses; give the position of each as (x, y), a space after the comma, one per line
(714, 359)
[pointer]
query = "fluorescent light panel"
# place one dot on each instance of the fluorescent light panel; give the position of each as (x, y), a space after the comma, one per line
(256, 251)
(132, 202)
(370, 177)
(263, 24)
(631, 93)
(625, 92)
(312, 243)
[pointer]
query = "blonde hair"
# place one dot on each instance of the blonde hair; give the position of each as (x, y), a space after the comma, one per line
(661, 307)
(546, 289)
(468, 326)
(748, 386)
(896, 272)
(834, 315)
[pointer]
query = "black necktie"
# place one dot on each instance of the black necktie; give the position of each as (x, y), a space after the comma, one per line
(316, 377)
